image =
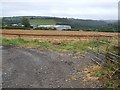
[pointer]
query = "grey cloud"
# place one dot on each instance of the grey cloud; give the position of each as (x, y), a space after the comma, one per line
(64, 8)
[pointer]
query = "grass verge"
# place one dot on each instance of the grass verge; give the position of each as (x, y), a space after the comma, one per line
(61, 46)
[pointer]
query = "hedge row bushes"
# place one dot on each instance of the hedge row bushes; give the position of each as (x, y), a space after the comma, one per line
(14, 27)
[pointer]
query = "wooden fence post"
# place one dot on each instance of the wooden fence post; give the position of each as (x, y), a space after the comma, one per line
(106, 55)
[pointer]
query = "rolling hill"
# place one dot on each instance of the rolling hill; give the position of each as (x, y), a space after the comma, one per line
(76, 24)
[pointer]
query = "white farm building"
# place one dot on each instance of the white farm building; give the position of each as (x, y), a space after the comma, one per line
(58, 27)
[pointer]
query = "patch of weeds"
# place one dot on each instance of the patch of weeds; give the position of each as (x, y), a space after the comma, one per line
(64, 48)
(99, 43)
(96, 74)
(105, 75)
(73, 46)
(114, 49)
(44, 45)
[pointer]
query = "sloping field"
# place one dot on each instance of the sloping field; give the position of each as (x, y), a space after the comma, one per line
(42, 22)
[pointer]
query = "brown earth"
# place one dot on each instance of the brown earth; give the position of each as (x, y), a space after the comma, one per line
(52, 35)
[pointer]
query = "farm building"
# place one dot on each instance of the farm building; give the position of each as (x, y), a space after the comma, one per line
(58, 27)
(62, 27)
(14, 24)
(18, 25)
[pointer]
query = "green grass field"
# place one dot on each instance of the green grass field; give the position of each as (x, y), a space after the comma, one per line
(42, 22)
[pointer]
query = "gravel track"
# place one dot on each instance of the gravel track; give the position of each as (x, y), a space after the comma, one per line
(34, 68)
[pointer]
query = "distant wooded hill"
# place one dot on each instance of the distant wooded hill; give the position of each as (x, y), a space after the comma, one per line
(76, 24)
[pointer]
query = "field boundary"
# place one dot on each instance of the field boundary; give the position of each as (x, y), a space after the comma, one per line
(101, 56)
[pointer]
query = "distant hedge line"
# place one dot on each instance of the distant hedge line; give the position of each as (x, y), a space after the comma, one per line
(44, 28)
(14, 27)
(19, 27)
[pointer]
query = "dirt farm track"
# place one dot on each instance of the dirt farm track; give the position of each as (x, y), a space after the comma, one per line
(52, 34)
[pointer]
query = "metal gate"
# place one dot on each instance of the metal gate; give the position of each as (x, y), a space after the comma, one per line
(105, 50)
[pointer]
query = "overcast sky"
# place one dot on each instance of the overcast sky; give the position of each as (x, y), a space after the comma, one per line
(82, 9)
